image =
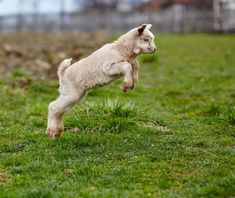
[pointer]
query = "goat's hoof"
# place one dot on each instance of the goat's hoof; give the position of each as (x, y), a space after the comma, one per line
(132, 86)
(54, 133)
(125, 87)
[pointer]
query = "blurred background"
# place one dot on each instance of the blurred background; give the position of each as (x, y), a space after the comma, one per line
(117, 15)
(36, 35)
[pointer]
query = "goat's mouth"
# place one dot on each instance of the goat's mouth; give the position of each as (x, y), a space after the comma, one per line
(153, 51)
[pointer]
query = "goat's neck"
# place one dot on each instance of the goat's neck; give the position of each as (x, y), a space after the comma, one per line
(126, 50)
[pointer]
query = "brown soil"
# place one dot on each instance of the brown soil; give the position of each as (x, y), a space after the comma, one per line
(40, 53)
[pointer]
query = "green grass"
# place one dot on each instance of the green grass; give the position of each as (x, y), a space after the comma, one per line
(173, 136)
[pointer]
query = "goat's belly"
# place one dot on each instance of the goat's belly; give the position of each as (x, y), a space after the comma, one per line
(94, 79)
(103, 80)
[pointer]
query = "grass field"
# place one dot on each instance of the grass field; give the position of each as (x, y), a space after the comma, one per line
(173, 136)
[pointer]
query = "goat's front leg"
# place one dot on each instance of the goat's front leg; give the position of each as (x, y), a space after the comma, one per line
(122, 68)
(135, 73)
(127, 81)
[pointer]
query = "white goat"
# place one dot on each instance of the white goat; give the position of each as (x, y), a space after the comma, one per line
(101, 67)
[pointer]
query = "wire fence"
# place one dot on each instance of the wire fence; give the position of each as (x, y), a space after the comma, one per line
(176, 19)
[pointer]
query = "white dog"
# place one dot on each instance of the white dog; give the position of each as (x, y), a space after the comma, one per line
(103, 66)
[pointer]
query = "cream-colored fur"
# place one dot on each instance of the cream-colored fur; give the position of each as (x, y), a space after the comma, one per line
(106, 64)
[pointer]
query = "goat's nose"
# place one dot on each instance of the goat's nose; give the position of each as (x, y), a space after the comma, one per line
(155, 49)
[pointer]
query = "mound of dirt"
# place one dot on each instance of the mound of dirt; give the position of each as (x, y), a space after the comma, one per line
(41, 53)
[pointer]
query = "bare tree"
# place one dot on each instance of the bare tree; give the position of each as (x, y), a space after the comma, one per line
(82, 4)
(36, 4)
(19, 25)
(96, 4)
(1, 28)
(204, 4)
(62, 14)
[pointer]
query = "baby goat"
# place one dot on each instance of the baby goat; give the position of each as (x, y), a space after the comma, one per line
(100, 68)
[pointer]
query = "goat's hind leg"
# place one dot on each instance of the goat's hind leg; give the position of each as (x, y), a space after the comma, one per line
(56, 111)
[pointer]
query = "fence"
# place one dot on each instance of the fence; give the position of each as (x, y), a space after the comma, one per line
(175, 19)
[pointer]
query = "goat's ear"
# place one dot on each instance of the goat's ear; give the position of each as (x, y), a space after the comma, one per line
(141, 29)
(149, 26)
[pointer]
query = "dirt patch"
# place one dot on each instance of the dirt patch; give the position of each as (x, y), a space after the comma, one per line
(4, 178)
(41, 53)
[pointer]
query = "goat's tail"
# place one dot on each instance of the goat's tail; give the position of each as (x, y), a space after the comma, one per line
(63, 66)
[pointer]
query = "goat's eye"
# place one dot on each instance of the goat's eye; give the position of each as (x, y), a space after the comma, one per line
(146, 40)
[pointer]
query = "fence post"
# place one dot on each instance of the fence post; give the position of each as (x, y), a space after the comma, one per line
(218, 22)
(178, 18)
